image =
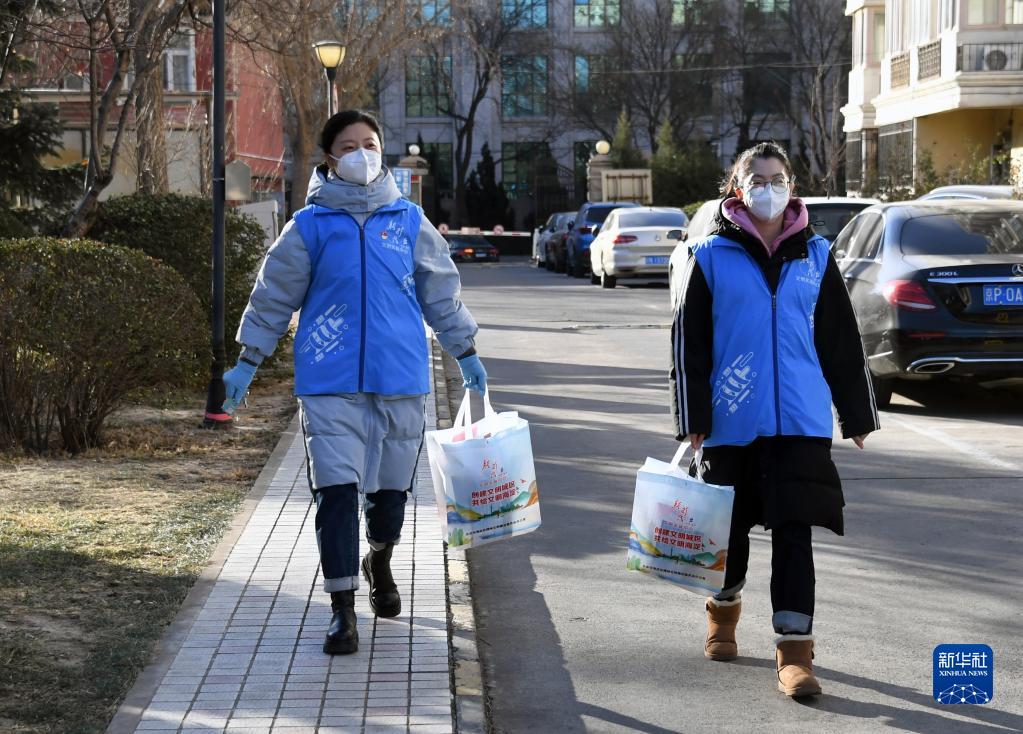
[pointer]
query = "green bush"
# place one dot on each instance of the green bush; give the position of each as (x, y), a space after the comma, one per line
(84, 324)
(178, 230)
(11, 225)
(691, 209)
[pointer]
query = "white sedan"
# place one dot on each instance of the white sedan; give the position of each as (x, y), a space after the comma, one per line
(636, 243)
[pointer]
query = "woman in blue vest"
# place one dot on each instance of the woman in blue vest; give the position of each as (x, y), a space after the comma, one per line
(364, 267)
(765, 341)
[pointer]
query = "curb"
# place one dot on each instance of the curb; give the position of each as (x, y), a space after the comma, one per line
(467, 683)
(130, 711)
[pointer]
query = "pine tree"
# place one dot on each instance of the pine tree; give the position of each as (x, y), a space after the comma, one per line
(624, 153)
(684, 173)
(486, 198)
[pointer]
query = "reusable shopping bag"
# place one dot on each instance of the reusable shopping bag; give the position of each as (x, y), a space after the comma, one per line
(680, 525)
(483, 477)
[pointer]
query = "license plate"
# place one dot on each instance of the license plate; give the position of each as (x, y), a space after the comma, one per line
(658, 260)
(1003, 295)
(481, 254)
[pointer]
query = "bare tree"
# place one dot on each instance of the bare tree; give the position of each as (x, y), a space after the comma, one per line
(280, 35)
(820, 38)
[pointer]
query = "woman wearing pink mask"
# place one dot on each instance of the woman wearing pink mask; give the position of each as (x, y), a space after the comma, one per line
(365, 268)
(765, 341)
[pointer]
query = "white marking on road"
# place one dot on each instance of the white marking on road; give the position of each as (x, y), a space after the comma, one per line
(962, 447)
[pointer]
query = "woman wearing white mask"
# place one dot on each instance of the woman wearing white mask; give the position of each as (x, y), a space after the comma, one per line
(364, 267)
(764, 342)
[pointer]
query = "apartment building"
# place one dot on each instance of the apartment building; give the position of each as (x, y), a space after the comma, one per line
(558, 52)
(936, 83)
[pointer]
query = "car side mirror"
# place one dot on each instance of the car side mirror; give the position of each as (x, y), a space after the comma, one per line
(570, 225)
(675, 234)
(840, 254)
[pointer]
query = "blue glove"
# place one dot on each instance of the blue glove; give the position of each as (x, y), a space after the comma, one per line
(474, 377)
(236, 384)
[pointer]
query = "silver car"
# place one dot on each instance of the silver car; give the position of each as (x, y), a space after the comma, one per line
(636, 243)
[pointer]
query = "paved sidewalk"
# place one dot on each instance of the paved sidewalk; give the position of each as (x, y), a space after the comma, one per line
(251, 660)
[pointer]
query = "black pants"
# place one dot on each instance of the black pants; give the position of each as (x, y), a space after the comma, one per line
(337, 529)
(792, 571)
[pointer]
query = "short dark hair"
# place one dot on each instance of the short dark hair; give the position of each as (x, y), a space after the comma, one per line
(744, 163)
(341, 120)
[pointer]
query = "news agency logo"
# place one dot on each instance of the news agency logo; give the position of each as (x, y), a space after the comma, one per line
(964, 674)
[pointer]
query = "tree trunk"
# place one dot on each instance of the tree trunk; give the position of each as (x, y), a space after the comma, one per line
(82, 218)
(150, 132)
(301, 153)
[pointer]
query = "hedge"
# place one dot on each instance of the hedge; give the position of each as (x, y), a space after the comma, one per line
(84, 324)
(178, 230)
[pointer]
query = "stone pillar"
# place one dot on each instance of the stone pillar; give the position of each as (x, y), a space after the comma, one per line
(594, 186)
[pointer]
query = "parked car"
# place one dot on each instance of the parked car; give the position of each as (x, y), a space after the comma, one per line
(577, 244)
(968, 192)
(472, 248)
(553, 228)
(635, 243)
(828, 216)
(937, 287)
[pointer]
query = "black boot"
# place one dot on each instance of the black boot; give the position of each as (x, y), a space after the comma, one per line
(383, 592)
(342, 635)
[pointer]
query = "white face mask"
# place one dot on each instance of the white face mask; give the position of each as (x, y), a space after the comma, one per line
(765, 203)
(360, 166)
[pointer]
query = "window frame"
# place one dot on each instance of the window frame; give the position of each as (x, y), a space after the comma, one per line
(437, 93)
(589, 11)
(510, 109)
(172, 52)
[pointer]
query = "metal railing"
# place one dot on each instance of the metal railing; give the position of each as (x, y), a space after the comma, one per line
(900, 70)
(928, 61)
(990, 57)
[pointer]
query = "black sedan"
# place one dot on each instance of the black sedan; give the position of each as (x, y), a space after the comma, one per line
(937, 288)
(472, 248)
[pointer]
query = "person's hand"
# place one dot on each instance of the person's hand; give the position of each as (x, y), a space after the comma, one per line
(236, 384)
(696, 440)
(858, 440)
(474, 377)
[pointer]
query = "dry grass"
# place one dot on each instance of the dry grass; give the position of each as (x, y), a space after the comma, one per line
(97, 551)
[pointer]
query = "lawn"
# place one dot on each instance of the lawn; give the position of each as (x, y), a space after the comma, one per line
(98, 551)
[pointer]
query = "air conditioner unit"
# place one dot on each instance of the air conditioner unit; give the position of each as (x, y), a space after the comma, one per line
(999, 57)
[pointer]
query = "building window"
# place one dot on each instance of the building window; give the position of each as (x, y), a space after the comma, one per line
(1014, 12)
(179, 63)
(854, 161)
(767, 85)
(441, 158)
(589, 72)
(596, 13)
(524, 86)
(689, 12)
(524, 13)
(982, 12)
(769, 10)
(426, 86)
(519, 167)
(895, 154)
(877, 47)
(430, 12)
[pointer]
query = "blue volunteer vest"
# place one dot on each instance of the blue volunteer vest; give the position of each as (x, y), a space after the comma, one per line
(361, 327)
(766, 379)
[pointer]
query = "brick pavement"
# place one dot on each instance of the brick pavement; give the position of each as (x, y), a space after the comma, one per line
(251, 662)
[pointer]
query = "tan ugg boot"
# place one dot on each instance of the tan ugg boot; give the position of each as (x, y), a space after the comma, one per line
(722, 617)
(794, 655)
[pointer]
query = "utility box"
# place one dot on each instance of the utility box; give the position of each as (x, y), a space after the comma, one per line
(627, 184)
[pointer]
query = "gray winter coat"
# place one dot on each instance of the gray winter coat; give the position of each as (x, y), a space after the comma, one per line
(369, 440)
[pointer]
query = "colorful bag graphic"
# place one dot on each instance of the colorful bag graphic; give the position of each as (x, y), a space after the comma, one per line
(484, 477)
(680, 526)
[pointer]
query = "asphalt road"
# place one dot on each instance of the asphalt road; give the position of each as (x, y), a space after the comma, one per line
(572, 642)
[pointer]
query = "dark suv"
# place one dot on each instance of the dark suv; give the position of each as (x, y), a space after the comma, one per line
(581, 234)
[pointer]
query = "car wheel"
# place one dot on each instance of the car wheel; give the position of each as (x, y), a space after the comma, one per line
(608, 281)
(883, 387)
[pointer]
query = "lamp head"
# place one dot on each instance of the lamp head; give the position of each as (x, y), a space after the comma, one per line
(413, 149)
(603, 147)
(329, 53)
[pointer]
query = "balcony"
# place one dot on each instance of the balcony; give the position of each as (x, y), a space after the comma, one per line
(900, 70)
(990, 57)
(928, 61)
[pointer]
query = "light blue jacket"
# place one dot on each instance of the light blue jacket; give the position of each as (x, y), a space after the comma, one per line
(365, 267)
(760, 336)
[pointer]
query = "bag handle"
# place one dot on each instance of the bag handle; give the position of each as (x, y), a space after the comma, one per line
(464, 418)
(676, 462)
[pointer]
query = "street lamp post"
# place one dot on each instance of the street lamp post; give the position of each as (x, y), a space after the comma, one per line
(215, 416)
(330, 55)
